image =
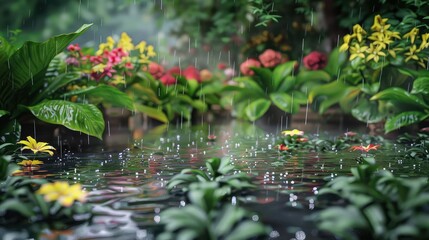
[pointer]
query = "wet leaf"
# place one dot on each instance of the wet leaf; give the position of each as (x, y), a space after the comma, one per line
(281, 72)
(404, 119)
(155, 113)
(257, 109)
(285, 102)
(85, 118)
(401, 96)
(421, 85)
(246, 230)
(3, 112)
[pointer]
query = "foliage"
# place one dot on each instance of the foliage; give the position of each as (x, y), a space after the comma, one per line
(375, 205)
(218, 170)
(22, 72)
(416, 147)
(205, 218)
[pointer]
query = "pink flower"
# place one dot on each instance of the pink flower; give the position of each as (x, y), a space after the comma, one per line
(315, 61)
(175, 71)
(72, 61)
(350, 134)
(270, 58)
(156, 70)
(192, 73)
(229, 73)
(129, 65)
(168, 79)
(108, 70)
(246, 65)
(73, 47)
(96, 59)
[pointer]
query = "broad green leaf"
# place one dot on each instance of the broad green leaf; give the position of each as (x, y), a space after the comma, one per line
(409, 72)
(85, 118)
(335, 60)
(257, 109)
(251, 87)
(10, 132)
(312, 76)
(404, 119)
(6, 50)
(31, 60)
(264, 77)
(401, 96)
(367, 111)
(105, 94)
(141, 92)
(285, 102)
(17, 206)
(54, 84)
(281, 72)
(192, 86)
(3, 112)
(231, 88)
(421, 85)
(155, 113)
(330, 94)
(348, 100)
(199, 105)
(287, 84)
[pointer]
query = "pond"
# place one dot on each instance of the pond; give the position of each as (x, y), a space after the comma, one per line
(127, 181)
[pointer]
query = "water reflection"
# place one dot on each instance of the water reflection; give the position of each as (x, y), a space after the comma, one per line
(128, 186)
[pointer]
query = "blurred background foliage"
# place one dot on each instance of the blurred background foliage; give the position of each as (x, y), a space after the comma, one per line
(202, 31)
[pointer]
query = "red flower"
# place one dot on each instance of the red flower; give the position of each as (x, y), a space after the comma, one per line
(192, 73)
(221, 66)
(270, 58)
(156, 70)
(168, 79)
(365, 149)
(129, 65)
(175, 71)
(282, 147)
(246, 65)
(73, 47)
(315, 60)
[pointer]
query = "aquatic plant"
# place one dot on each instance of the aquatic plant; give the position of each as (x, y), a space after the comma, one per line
(416, 147)
(292, 140)
(205, 217)
(374, 204)
(218, 170)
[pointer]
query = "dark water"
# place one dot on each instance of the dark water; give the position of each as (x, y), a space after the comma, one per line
(128, 186)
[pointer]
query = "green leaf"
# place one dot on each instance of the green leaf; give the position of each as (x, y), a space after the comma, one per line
(56, 83)
(335, 60)
(10, 132)
(399, 95)
(257, 109)
(281, 72)
(285, 102)
(155, 113)
(367, 111)
(264, 77)
(16, 206)
(287, 84)
(247, 230)
(31, 60)
(312, 76)
(85, 118)
(421, 85)
(192, 85)
(3, 112)
(330, 93)
(404, 119)
(105, 94)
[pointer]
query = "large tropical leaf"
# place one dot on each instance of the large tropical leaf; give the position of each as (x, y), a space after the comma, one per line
(367, 111)
(329, 94)
(257, 108)
(264, 78)
(313, 76)
(85, 118)
(105, 94)
(401, 96)
(29, 61)
(285, 102)
(281, 72)
(3, 112)
(155, 113)
(404, 119)
(56, 83)
(421, 85)
(335, 60)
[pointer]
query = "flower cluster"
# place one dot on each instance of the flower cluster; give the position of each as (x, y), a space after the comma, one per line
(269, 59)
(113, 62)
(292, 140)
(315, 60)
(384, 43)
(169, 77)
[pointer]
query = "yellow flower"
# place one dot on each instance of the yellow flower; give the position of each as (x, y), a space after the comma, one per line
(380, 39)
(345, 45)
(357, 51)
(35, 146)
(380, 24)
(358, 31)
(293, 132)
(393, 51)
(412, 54)
(118, 79)
(144, 59)
(150, 51)
(125, 42)
(99, 68)
(374, 53)
(424, 43)
(62, 192)
(391, 34)
(109, 45)
(29, 163)
(412, 34)
(141, 47)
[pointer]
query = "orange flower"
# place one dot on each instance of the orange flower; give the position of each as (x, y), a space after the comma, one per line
(282, 147)
(365, 149)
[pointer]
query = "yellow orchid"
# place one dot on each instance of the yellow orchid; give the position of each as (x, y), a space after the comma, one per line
(393, 51)
(357, 51)
(345, 45)
(62, 192)
(380, 24)
(374, 53)
(99, 67)
(380, 39)
(293, 132)
(392, 34)
(412, 34)
(30, 163)
(412, 53)
(358, 31)
(125, 42)
(33, 145)
(118, 79)
(109, 45)
(141, 46)
(424, 43)
(150, 51)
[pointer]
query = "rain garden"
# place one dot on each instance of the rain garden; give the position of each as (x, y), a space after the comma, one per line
(246, 119)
